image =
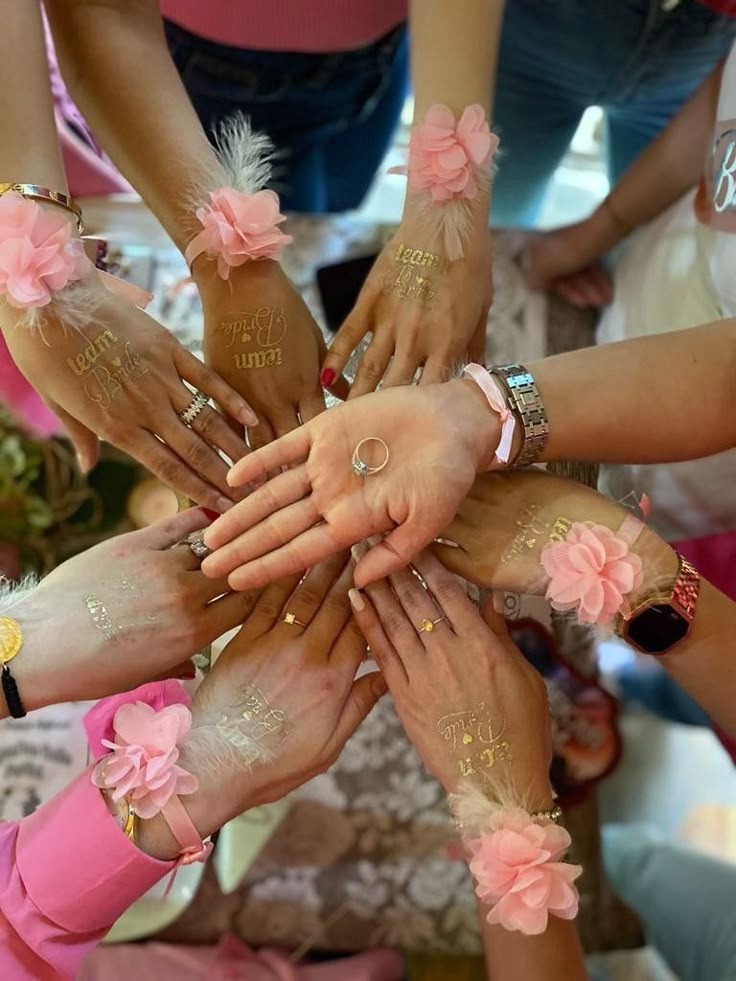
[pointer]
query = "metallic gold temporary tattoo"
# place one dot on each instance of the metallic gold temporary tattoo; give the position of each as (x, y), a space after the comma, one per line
(418, 257)
(86, 359)
(106, 382)
(534, 532)
(407, 283)
(265, 329)
(253, 722)
(100, 617)
(474, 728)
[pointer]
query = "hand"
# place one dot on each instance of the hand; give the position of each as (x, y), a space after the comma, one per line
(468, 699)
(507, 518)
(567, 260)
(438, 437)
(419, 316)
(122, 613)
(288, 690)
(122, 378)
(261, 338)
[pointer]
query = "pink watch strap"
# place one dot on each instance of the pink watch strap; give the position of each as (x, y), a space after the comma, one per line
(497, 401)
(193, 849)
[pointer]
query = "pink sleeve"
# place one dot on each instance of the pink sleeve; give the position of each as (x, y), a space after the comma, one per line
(67, 872)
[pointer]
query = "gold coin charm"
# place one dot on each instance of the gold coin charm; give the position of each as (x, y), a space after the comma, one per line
(11, 639)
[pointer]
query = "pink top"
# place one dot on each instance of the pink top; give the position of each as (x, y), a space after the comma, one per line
(288, 25)
(67, 872)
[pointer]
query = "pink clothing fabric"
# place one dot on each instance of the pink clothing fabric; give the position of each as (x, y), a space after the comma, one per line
(231, 960)
(67, 872)
(288, 25)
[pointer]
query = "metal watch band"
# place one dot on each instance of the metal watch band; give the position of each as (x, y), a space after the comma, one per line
(527, 403)
(686, 590)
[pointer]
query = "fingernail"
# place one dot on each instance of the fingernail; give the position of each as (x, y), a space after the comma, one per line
(212, 515)
(356, 600)
(358, 551)
(224, 504)
(248, 416)
(327, 377)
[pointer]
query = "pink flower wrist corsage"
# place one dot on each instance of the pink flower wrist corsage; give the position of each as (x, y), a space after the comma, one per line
(593, 571)
(143, 768)
(450, 161)
(518, 873)
(238, 227)
(39, 254)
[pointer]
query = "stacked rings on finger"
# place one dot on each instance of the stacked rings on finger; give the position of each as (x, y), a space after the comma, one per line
(199, 402)
(198, 547)
(363, 469)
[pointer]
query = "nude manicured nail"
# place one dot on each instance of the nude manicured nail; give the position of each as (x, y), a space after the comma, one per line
(356, 600)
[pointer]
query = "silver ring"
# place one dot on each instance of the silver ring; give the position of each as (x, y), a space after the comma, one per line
(290, 618)
(199, 402)
(363, 469)
(199, 549)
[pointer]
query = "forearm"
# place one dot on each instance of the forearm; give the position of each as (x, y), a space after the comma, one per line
(29, 149)
(454, 48)
(651, 399)
(555, 955)
(118, 70)
(671, 164)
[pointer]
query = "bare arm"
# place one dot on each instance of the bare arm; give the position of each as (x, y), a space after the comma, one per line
(117, 67)
(555, 955)
(28, 153)
(648, 400)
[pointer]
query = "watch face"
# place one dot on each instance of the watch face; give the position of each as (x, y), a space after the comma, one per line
(657, 628)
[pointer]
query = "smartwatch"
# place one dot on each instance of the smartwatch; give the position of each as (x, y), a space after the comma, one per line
(663, 618)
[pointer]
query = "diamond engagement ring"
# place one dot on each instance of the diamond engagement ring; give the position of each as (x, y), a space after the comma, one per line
(290, 618)
(199, 402)
(359, 465)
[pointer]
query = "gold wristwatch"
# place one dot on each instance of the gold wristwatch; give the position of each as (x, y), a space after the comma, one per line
(662, 619)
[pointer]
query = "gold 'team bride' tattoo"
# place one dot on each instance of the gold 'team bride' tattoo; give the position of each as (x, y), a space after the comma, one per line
(418, 257)
(473, 728)
(266, 329)
(408, 278)
(255, 722)
(106, 370)
(534, 532)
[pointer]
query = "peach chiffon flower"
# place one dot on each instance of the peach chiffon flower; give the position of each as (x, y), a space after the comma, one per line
(238, 227)
(516, 868)
(444, 155)
(39, 254)
(591, 571)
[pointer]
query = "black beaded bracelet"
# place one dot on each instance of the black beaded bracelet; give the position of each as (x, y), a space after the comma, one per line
(12, 695)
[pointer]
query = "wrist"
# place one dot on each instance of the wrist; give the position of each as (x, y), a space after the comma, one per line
(483, 423)
(660, 564)
(31, 669)
(606, 228)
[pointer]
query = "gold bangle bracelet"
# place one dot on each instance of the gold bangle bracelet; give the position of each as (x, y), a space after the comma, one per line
(38, 193)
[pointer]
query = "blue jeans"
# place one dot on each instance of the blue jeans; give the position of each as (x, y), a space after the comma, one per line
(558, 57)
(331, 117)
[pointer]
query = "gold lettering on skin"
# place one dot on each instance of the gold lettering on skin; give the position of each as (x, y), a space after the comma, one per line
(254, 722)
(82, 362)
(266, 328)
(418, 257)
(106, 382)
(406, 282)
(474, 728)
(534, 531)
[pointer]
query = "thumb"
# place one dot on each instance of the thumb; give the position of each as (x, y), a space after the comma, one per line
(85, 442)
(362, 697)
(391, 554)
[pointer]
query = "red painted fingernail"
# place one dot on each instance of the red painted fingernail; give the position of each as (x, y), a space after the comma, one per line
(327, 377)
(212, 515)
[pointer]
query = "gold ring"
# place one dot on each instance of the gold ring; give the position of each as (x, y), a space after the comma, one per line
(291, 619)
(199, 402)
(363, 469)
(428, 625)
